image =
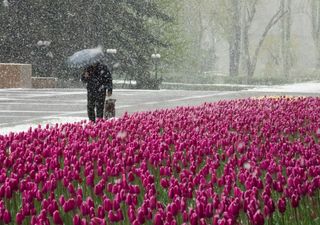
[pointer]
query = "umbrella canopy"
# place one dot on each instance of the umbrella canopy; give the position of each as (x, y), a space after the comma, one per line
(86, 57)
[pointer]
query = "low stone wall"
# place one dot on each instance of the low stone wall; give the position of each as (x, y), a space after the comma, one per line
(44, 82)
(14, 75)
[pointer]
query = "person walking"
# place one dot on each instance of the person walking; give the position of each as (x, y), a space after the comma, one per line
(98, 80)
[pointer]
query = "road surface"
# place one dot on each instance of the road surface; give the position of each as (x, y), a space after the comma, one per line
(21, 108)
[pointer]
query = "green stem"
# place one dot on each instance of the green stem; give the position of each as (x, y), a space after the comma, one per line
(296, 216)
(270, 220)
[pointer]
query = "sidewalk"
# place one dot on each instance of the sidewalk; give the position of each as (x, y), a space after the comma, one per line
(22, 108)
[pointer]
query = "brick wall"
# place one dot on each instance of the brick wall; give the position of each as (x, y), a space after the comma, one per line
(15, 75)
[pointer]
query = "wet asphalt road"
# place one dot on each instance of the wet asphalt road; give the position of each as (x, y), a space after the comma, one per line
(32, 106)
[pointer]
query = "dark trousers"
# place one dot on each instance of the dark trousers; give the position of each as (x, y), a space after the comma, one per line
(95, 101)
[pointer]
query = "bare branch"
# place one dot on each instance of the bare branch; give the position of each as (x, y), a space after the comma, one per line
(253, 11)
(274, 20)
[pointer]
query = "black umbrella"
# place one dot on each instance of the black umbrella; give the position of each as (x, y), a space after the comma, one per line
(86, 57)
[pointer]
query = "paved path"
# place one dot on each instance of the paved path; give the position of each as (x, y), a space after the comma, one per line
(20, 108)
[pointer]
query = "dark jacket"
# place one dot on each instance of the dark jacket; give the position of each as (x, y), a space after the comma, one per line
(99, 80)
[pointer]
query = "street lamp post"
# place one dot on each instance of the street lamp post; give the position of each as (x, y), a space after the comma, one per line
(156, 58)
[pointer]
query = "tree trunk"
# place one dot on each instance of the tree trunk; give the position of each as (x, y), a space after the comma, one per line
(200, 38)
(286, 37)
(315, 14)
(274, 20)
(235, 40)
(248, 12)
(213, 56)
(244, 39)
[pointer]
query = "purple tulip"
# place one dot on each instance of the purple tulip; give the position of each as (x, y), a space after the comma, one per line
(84, 222)
(19, 218)
(195, 149)
(62, 200)
(8, 192)
(295, 200)
(56, 217)
(97, 221)
(258, 218)
(164, 183)
(69, 205)
(158, 220)
(101, 212)
(76, 220)
(85, 209)
(71, 189)
(193, 219)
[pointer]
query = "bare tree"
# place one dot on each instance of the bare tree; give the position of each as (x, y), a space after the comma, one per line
(315, 15)
(285, 8)
(249, 8)
(235, 38)
(227, 19)
(197, 22)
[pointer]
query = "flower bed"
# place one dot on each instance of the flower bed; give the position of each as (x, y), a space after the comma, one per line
(249, 161)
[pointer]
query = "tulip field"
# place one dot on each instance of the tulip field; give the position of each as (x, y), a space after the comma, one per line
(250, 161)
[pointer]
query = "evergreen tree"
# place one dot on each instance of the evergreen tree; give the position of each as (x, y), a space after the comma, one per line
(73, 25)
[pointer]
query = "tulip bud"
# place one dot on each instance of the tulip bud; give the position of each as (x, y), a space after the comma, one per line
(56, 217)
(258, 218)
(98, 189)
(8, 192)
(202, 221)
(19, 218)
(215, 220)
(84, 222)
(6, 217)
(92, 212)
(135, 199)
(174, 209)
(90, 202)
(131, 176)
(62, 200)
(76, 220)
(164, 183)
(153, 202)
(295, 200)
(84, 208)
(237, 192)
(116, 204)
(158, 220)
(141, 216)
(271, 205)
(97, 221)
(282, 205)
(44, 204)
(39, 196)
(193, 219)
(90, 180)
(79, 192)
(107, 204)
(69, 205)
(34, 220)
(112, 217)
(100, 212)
(71, 189)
